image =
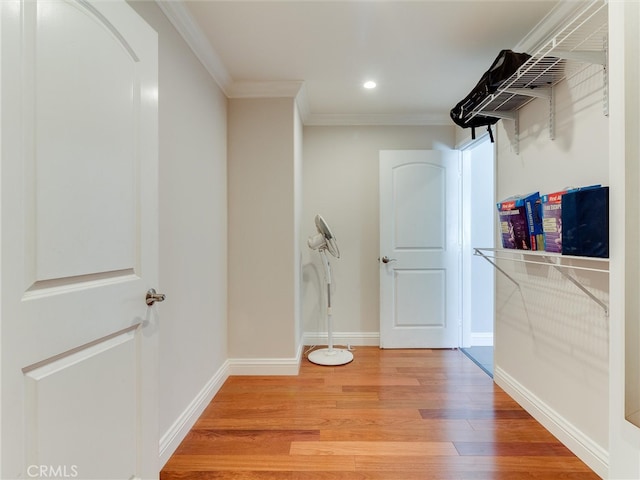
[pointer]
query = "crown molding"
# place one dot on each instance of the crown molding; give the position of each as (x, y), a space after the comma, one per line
(296, 89)
(418, 119)
(181, 19)
(279, 89)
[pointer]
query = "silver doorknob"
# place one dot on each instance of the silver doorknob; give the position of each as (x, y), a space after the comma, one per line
(153, 297)
(386, 259)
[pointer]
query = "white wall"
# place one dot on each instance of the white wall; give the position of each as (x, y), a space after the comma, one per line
(193, 227)
(340, 181)
(551, 340)
(263, 229)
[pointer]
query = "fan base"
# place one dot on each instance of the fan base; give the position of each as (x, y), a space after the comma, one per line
(335, 356)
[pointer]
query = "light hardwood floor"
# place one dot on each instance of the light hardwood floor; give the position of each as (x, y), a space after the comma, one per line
(388, 415)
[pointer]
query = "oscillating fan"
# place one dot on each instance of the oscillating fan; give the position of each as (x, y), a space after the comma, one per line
(322, 241)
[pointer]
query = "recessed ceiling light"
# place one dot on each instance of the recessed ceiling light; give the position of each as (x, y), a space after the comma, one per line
(370, 84)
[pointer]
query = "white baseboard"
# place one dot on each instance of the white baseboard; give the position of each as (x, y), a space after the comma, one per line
(171, 439)
(596, 457)
(360, 339)
(482, 339)
(266, 366)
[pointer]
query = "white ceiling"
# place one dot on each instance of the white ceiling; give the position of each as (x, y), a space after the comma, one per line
(425, 55)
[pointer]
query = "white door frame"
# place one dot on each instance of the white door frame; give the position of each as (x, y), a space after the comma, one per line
(467, 339)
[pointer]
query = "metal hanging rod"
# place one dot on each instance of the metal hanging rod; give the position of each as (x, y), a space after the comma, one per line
(547, 259)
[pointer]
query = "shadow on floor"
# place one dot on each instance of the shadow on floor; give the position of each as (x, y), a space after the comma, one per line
(481, 356)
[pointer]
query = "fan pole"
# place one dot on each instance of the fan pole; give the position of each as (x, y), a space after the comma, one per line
(329, 322)
(329, 356)
(327, 278)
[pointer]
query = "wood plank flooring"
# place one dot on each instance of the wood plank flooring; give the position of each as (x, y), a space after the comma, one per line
(388, 415)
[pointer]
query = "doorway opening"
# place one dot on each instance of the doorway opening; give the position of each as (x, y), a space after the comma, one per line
(478, 230)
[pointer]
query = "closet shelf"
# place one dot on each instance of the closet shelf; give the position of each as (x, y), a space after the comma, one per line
(581, 39)
(562, 263)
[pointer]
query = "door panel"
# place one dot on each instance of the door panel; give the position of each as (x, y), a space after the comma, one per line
(419, 234)
(57, 395)
(418, 225)
(79, 239)
(85, 156)
(420, 299)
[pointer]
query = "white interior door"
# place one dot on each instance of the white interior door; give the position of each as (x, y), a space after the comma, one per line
(78, 240)
(419, 249)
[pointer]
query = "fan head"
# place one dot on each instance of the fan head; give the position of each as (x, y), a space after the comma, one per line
(324, 239)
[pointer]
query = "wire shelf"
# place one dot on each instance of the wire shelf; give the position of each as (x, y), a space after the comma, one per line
(581, 39)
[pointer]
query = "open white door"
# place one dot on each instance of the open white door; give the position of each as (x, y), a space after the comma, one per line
(78, 240)
(419, 249)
